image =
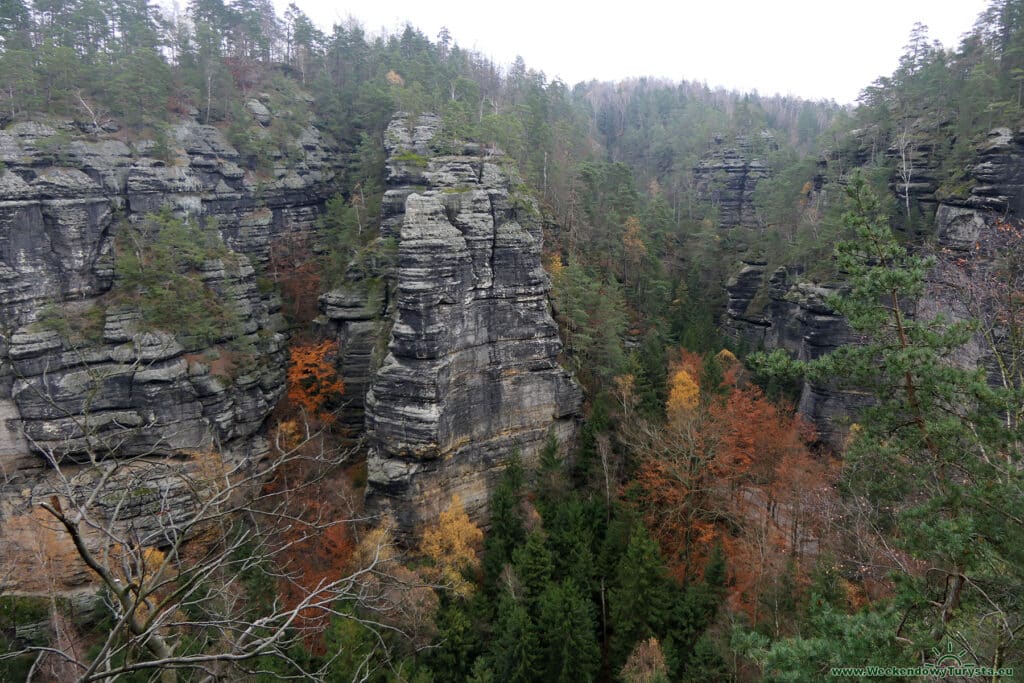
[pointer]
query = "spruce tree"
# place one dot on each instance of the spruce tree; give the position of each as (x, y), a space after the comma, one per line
(534, 568)
(567, 628)
(571, 537)
(507, 531)
(515, 647)
(640, 600)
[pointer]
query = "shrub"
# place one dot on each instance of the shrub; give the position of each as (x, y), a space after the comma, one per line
(159, 270)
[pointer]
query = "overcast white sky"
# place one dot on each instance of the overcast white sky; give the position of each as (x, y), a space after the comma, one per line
(811, 48)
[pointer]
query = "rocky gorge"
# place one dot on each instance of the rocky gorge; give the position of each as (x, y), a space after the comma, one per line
(448, 349)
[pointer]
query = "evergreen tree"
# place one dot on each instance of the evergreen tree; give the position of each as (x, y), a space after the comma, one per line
(572, 531)
(507, 531)
(458, 643)
(534, 568)
(640, 599)
(552, 483)
(567, 635)
(514, 650)
(934, 453)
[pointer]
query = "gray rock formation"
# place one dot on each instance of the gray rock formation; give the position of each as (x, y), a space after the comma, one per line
(745, 319)
(129, 389)
(357, 316)
(471, 372)
(996, 191)
(781, 312)
(727, 177)
(978, 237)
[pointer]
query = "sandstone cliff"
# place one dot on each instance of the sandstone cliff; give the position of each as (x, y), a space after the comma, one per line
(128, 388)
(794, 316)
(780, 310)
(727, 177)
(470, 373)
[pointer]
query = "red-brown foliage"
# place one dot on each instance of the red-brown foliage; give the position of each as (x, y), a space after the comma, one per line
(317, 548)
(313, 380)
(730, 468)
(296, 270)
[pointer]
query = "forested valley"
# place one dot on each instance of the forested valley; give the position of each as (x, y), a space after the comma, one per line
(788, 373)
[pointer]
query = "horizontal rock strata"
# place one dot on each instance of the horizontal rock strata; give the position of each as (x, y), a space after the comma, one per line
(129, 391)
(471, 374)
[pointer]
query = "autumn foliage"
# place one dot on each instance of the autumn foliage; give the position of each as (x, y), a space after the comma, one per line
(297, 273)
(728, 468)
(317, 548)
(313, 380)
(646, 664)
(452, 546)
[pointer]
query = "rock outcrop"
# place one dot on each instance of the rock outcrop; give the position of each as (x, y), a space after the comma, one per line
(782, 312)
(726, 177)
(69, 395)
(994, 191)
(973, 228)
(471, 372)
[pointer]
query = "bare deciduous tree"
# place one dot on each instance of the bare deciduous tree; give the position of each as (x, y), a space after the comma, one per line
(173, 540)
(905, 147)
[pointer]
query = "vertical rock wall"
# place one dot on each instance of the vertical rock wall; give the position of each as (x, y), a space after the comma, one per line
(127, 390)
(727, 177)
(471, 373)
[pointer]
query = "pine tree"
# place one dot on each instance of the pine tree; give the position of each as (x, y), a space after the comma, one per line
(933, 455)
(458, 643)
(551, 484)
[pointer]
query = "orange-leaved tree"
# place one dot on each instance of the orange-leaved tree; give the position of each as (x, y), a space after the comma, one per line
(726, 467)
(313, 381)
(676, 467)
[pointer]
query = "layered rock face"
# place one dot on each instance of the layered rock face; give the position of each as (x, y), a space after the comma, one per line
(471, 374)
(996, 192)
(777, 310)
(728, 176)
(130, 389)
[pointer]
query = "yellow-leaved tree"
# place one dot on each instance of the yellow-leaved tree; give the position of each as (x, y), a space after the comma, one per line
(452, 545)
(683, 395)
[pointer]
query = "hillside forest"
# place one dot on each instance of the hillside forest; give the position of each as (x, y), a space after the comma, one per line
(702, 525)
